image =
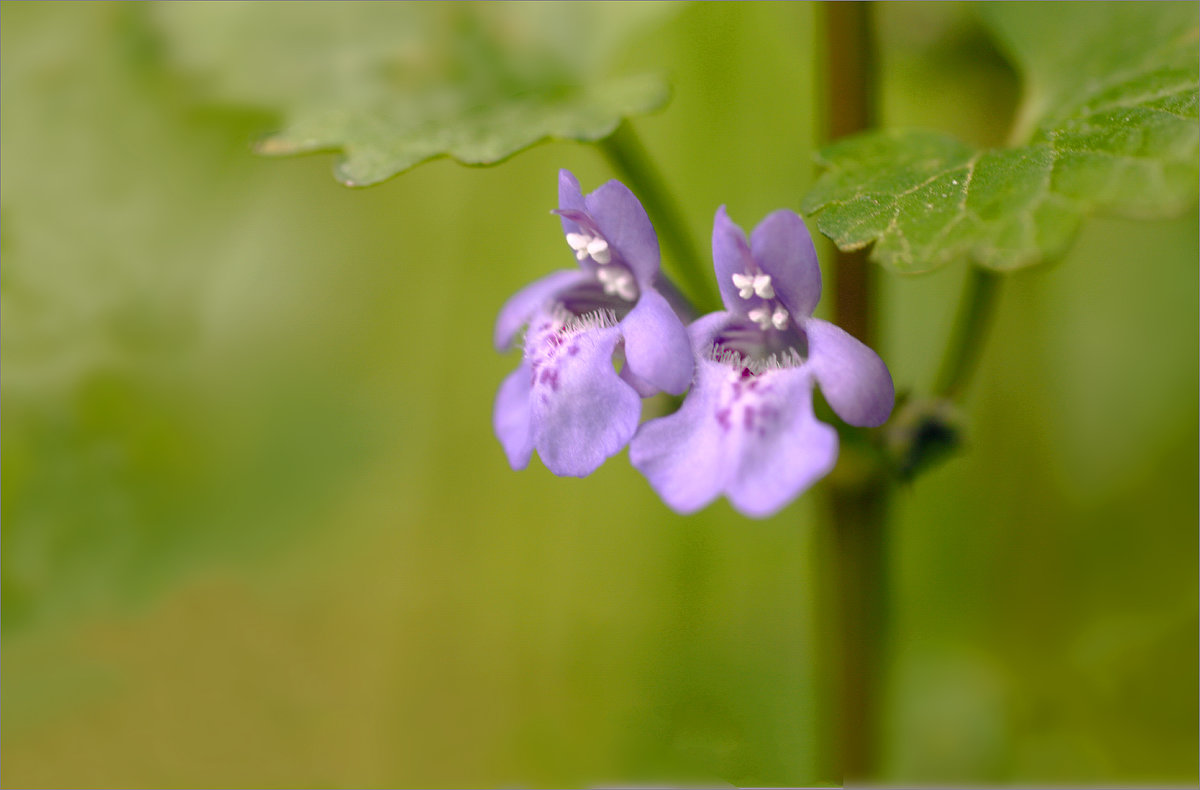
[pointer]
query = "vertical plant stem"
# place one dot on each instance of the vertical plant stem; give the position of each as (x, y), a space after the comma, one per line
(856, 558)
(627, 155)
(975, 310)
(850, 63)
(859, 521)
(856, 580)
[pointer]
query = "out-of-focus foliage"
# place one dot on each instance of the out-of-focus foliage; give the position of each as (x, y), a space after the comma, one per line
(257, 530)
(391, 85)
(150, 414)
(1110, 114)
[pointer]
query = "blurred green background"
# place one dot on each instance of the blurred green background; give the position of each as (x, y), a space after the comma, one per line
(257, 531)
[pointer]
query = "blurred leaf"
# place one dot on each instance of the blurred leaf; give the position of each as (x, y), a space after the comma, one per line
(391, 85)
(1110, 116)
(153, 419)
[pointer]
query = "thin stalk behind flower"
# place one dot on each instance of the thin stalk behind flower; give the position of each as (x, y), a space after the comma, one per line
(852, 573)
(628, 157)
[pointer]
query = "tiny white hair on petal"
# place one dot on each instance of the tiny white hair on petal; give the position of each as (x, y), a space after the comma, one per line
(788, 358)
(597, 319)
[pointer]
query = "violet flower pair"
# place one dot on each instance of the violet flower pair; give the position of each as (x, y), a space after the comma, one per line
(746, 428)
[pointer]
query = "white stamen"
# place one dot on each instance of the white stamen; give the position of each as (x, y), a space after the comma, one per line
(745, 285)
(779, 318)
(585, 245)
(616, 281)
(598, 249)
(760, 316)
(762, 286)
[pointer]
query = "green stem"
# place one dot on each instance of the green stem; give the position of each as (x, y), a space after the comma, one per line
(628, 157)
(853, 576)
(981, 291)
(975, 309)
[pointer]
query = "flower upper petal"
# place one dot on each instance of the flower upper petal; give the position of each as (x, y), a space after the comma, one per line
(683, 454)
(657, 349)
(790, 451)
(626, 227)
(581, 411)
(783, 248)
(731, 255)
(853, 378)
(510, 417)
(525, 302)
(570, 198)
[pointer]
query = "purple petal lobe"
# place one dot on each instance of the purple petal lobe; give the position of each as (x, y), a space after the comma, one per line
(656, 344)
(785, 449)
(643, 388)
(570, 197)
(705, 329)
(852, 377)
(783, 248)
(523, 303)
(752, 438)
(577, 221)
(626, 227)
(510, 417)
(682, 454)
(731, 255)
(582, 412)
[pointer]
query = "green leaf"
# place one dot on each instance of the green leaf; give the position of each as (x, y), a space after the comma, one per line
(1110, 119)
(391, 85)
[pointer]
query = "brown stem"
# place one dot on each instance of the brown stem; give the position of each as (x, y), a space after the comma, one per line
(850, 42)
(854, 576)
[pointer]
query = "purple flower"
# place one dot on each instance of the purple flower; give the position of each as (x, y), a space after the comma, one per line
(566, 399)
(747, 428)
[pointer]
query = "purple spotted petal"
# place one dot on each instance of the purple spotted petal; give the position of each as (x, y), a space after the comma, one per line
(657, 349)
(782, 248)
(753, 439)
(581, 411)
(510, 417)
(682, 454)
(731, 255)
(791, 451)
(852, 377)
(525, 302)
(624, 223)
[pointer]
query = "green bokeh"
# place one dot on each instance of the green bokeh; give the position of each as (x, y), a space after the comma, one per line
(257, 531)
